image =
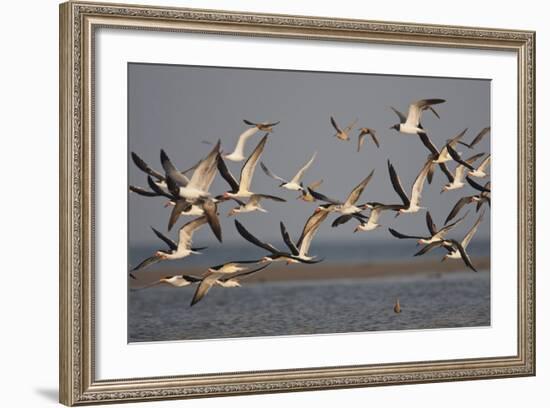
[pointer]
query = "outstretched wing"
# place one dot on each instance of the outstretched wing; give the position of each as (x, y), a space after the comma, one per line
(171, 244)
(399, 235)
(253, 240)
(140, 163)
(396, 183)
(358, 190)
(335, 125)
(478, 186)
(171, 170)
(227, 176)
(250, 165)
(288, 241)
(430, 224)
(402, 118)
(296, 179)
(270, 173)
(456, 157)
(457, 207)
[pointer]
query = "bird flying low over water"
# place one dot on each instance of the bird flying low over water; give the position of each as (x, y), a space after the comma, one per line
(455, 249)
(477, 139)
(295, 183)
(218, 278)
(411, 123)
(435, 234)
(347, 207)
(301, 248)
(177, 281)
(484, 196)
(274, 254)
(238, 154)
(241, 188)
(411, 205)
(342, 134)
(456, 180)
(253, 204)
(175, 251)
(363, 132)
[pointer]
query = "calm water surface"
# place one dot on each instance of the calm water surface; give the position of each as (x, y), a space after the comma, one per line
(312, 307)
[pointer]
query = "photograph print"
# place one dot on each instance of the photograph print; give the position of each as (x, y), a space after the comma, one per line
(276, 202)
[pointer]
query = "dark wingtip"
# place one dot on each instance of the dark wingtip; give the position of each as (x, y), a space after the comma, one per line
(132, 276)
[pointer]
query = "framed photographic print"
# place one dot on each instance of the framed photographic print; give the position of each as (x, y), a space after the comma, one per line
(258, 203)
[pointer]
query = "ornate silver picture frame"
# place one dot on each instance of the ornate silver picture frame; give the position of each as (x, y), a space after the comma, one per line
(79, 23)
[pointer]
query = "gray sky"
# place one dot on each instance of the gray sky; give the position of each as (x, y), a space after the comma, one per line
(176, 107)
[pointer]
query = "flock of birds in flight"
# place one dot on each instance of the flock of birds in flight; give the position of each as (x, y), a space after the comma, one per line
(190, 196)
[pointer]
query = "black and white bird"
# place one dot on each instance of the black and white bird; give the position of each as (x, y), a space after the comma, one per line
(444, 155)
(342, 134)
(159, 178)
(305, 194)
(435, 234)
(217, 278)
(347, 207)
(175, 251)
(363, 132)
(456, 180)
(301, 248)
(295, 183)
(241, 188)
(238, 153)
(197, 187)
(274, 254)
(253, 204)
(411, 123)
(483, 197)
(477, 139)
(455, 249)
(481, 170)
(177, 281)
(412, 204)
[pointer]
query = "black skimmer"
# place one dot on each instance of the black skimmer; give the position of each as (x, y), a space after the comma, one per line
(342, 134)
(238, 154)
(456, 180)
(348, 206)
(481, 171)
(159, 178)
(435, 234)
(177, 281)
(411, 123)
(253, 204)
(411, 205)
(274, 253)
(455, 249)
(477, 139)
(197, 187)
(301, 248)
(241, 189)
(220, 279)
(295, 183)
(305, 195)
(175, 251)
(484, 196)
(363, 132)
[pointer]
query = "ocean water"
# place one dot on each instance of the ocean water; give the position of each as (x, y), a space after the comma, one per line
(460, 299)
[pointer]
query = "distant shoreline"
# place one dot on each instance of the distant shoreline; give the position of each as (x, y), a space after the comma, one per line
(279, 272)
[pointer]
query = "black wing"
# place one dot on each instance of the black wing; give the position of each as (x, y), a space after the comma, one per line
(171, 171)
(464, 255)
(341, 220)
(399, 235)
(456, 157)
(429, 247)
(397, 185)
(322, 197)
(146, 262)
(457, 207)
(334, 124)
(211, 211)
(446, 171)
(288, 241)
(140, 163)
(171, 244)
(246, 273)
(157, 189)
(143, 192)
(477, 186)
(428, 143)
(227, 176)
(253, 240)
(181, 206)
(431, 224)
